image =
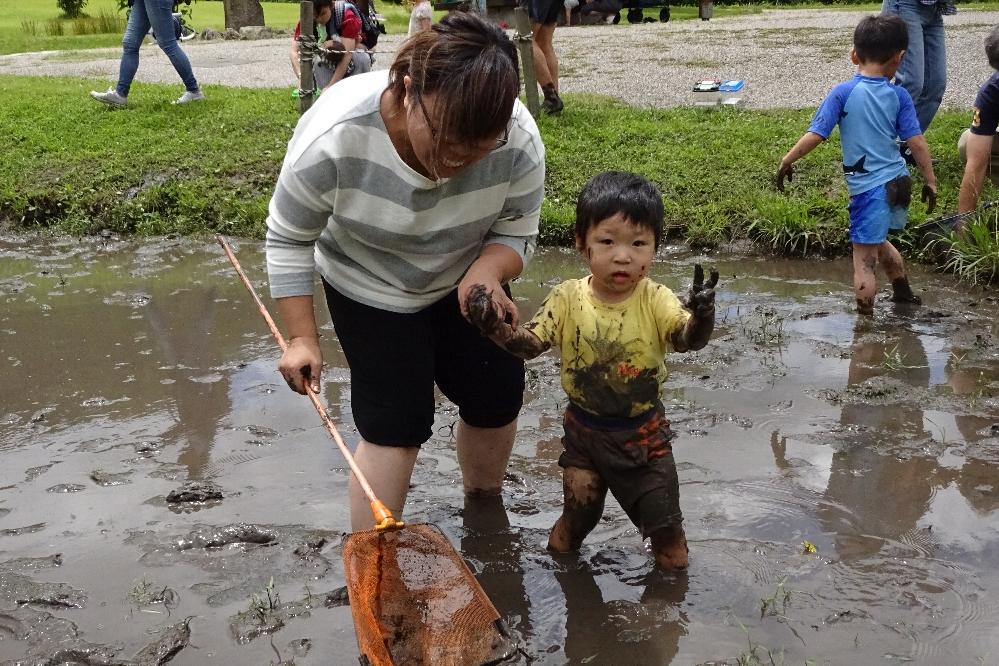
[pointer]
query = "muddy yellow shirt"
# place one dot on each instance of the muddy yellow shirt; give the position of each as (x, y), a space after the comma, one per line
(613, 355)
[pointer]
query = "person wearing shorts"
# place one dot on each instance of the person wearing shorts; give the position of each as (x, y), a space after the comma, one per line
(613, 330)
(406, 192)
(544, 17)
(872, 114)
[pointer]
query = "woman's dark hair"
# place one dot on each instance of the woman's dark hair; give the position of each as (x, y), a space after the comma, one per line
(470, 66)
(319, 5)
(878, 38)
(613, 192)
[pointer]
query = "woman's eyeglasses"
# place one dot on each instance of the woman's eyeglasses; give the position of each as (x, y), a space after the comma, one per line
(500, 142)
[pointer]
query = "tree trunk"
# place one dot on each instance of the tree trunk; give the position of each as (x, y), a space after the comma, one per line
(240, 13)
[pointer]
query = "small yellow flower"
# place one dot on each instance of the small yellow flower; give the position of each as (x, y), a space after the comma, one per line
(809, 547)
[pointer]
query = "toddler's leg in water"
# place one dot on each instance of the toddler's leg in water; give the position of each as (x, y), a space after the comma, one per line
(584, 493)
(669, 545)
(865, 260)
(891, 260)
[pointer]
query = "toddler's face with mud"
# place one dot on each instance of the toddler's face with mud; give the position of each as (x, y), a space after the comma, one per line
(619, 254)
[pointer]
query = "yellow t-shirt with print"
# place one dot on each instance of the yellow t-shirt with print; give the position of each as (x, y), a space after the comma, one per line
(613, 354)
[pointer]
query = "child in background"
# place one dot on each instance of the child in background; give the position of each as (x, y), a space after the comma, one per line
(613, 329)
(421, 18)
(872, 114)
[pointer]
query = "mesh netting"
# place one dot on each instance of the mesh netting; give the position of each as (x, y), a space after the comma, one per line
(414, 601)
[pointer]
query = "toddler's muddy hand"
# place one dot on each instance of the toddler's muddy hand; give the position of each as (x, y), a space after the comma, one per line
(929, 198)
(482, 311)
(784, 171)
(701, 298)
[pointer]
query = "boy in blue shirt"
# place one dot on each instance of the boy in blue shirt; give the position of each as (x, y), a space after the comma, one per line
(873, 115)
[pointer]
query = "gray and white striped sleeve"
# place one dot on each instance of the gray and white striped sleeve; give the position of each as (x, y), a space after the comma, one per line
(517, 225)
(297, 216)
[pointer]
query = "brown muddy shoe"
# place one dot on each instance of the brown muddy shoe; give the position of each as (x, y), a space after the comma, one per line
(669, 545)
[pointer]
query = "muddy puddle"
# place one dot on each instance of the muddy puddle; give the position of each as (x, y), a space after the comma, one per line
(133, 369)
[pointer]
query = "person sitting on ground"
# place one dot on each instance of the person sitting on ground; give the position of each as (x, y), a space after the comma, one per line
(346, 52)
(606, 10)
(978, 146)
(872, 113)
(613, 329)
(421, 18)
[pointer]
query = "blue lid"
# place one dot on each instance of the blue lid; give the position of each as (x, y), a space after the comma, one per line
(734, 85)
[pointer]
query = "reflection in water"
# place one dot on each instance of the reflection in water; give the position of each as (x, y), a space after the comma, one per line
(886, 494)
(186, 344)
(621, 631)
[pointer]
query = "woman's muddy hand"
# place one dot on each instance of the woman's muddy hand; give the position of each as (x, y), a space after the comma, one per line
(302, 362)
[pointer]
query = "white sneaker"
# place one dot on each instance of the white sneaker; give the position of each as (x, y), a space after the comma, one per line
(189, 96)
(111, 98)
(609, 20)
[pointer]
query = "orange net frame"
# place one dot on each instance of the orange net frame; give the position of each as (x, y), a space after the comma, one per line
(414, 601)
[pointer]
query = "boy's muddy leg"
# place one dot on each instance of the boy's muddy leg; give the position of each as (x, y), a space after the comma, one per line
(584, 493)
(483, 454)
(865, 261)
(669, 545)
(894, 266)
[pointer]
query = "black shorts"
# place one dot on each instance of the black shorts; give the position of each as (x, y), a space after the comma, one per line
(396, 358)
(634, 457)
(544, 12)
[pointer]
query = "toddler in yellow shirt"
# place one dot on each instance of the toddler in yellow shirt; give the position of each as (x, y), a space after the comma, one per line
(613, 329)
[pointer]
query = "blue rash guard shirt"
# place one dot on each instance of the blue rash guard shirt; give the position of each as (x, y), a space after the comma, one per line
(871, 113)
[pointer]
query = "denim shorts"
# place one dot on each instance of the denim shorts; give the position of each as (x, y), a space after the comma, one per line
(871, 216)
(634, 457)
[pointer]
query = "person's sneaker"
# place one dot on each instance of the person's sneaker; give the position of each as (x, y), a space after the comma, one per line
(188, 97)
(110, 97)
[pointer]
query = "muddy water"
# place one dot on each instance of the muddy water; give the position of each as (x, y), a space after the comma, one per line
(131, 368)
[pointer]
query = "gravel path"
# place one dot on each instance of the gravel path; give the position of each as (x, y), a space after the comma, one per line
(789, 58)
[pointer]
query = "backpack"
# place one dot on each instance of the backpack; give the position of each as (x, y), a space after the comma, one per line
(371, 27)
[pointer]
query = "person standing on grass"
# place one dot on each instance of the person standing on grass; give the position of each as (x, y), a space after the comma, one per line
(923, 71)
(977, 146)
(404, 192)
(144, 14)
(871, 114)
(544, 17)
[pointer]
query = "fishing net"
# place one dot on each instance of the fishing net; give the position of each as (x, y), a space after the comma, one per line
(414, 601)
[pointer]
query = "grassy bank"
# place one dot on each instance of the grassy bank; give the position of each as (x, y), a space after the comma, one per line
(155, 168)
(27, 25)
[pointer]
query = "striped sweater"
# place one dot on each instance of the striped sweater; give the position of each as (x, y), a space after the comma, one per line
(382, 234)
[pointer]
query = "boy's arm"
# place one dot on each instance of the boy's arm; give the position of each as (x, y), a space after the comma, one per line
(804, 146)
(520, 342)
(484, 316)
(701, 303)
(921, 153)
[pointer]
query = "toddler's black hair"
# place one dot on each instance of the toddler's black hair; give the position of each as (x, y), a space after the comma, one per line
(613, 192)
(878, 38)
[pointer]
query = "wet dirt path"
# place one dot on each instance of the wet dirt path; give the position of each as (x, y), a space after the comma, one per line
(130, 368)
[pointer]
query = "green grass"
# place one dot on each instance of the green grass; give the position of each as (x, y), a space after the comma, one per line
(17, 19)
(156, 168)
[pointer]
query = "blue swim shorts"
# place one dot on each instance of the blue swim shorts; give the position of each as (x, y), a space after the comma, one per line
(871, 216)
